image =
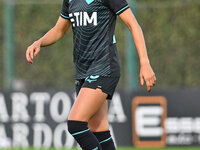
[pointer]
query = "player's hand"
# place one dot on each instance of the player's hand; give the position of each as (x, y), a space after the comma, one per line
(32, 51)
(147, 75)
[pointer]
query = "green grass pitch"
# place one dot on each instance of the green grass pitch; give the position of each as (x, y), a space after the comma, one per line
(120, 148)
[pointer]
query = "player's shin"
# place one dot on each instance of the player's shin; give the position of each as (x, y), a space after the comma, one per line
(105, 140)
(82, 134)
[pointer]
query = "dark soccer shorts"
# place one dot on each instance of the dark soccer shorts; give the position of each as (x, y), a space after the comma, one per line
(106, 84)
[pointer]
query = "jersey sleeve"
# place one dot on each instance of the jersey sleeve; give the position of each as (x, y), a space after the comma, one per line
(117, 6)
(65, 10)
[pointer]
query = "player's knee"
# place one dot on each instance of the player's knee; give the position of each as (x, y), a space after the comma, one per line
(99, 129)
(97, 125)
(75, 115)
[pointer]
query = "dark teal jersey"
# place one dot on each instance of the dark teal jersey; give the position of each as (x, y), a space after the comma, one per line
(93, 24)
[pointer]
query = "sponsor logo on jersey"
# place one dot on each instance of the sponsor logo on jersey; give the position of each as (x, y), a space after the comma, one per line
(83, 19)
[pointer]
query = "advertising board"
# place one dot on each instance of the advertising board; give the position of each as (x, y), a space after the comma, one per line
(39, 118)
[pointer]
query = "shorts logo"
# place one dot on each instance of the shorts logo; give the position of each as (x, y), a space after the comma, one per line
(92, 78)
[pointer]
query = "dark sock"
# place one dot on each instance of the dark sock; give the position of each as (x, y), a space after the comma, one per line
(105, 140)
(85, 138)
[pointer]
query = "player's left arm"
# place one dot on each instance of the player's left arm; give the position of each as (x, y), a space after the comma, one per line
(146, 72)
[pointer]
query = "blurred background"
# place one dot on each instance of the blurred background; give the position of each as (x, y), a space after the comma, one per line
(171, 29)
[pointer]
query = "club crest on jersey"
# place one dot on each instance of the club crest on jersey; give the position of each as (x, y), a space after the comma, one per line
(83, 19)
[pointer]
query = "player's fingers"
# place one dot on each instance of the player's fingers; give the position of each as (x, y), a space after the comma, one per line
(149, 88)
(36, 51)
(31, 53)
(149, 85)
(153, 84)
(154, 80)
(141, 80)
(149, 81)
(28, 55)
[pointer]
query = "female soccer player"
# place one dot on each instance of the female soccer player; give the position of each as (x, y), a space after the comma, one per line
(97, 69)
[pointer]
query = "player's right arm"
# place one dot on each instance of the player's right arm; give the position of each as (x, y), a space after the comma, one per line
(51, 37)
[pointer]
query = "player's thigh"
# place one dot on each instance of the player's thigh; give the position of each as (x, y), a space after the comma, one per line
(88, 102)
(99, 122)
